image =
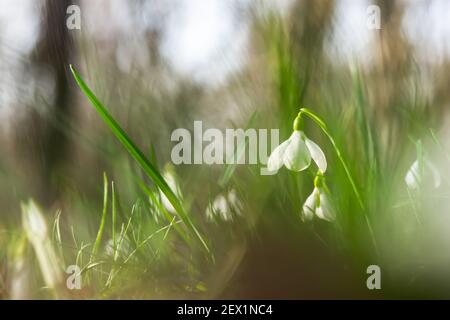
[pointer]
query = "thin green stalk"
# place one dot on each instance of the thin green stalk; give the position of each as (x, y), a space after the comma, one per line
(324, 129)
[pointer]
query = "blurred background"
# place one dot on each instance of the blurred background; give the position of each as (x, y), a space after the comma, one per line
(159, 65)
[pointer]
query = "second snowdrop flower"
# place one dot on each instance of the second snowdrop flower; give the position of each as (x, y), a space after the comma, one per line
(418, 171)
(318, 203)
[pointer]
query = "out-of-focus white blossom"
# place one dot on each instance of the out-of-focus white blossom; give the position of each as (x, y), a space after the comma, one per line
(225, 206)
(35, 228)
(171, 179)
(418, 171)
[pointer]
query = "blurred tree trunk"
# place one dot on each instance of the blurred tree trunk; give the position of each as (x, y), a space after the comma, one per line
(299, 40)
(310, 23)
(42, 143)
(394, 51)
(390, 78)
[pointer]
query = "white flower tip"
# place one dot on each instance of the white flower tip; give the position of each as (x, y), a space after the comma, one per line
(275, 161)
(317, 155)
(273, 165)
(307, 213)
(325, 214)
(325, 210)
(33, 221)
(310, 206)
(411, 181)
(414, 176)
(436, 175)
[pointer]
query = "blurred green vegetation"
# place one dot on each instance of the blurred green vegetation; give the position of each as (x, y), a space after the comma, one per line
(105, 210)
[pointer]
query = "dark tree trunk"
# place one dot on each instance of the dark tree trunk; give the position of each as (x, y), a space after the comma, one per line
(42, 141)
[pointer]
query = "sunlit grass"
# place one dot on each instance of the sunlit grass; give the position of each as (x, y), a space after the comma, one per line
(141, 237)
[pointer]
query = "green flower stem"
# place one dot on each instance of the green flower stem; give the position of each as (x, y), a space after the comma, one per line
(323, 127)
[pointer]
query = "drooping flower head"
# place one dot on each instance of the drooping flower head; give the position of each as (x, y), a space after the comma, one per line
(418, 171)
(296, 152)
(318, 202)
(225, 207)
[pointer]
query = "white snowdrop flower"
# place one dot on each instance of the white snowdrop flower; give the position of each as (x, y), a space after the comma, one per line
(19, 279)
(33, 222)
(110, 248)
(318, 204)
(296, 154)
(416, 174)
(234, 202)
(219, 208)
(35, 228)
(224, 206)
(171, 179)
(122, 247)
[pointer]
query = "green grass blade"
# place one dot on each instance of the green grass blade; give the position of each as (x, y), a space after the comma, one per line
(140, 158)
(57, 235)
(161, 208)
(103, 221)
(114, 213)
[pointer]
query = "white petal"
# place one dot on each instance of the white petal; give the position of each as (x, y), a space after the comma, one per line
(275, 161)
(325, 210)
(310, 206)
(435, 173)
(171, 179)
(317, 155)
(166, 203)
(220, 208)
(34, 222)
(412, 178)
(297, 156)
(122, 247)
(234, 202)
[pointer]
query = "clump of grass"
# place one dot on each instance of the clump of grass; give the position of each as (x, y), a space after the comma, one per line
(145, 164)
(153, 241)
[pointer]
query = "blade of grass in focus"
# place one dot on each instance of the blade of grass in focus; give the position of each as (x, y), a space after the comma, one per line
(145, 164)
(160, 207)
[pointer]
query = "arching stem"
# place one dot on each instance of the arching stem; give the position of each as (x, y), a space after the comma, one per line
(323, 127)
